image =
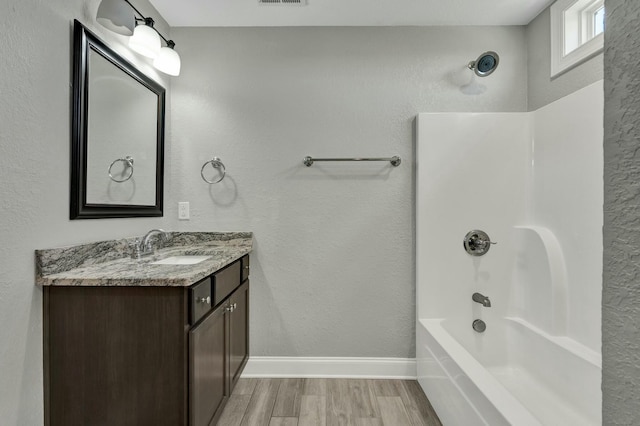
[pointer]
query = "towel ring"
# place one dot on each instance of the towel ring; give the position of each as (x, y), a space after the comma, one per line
(216, 163)
(128, 163)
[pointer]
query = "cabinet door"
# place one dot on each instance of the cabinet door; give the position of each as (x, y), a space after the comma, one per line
(207, 368)
(238, 332)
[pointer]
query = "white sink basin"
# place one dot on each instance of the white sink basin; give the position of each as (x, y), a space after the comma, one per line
(181, 260)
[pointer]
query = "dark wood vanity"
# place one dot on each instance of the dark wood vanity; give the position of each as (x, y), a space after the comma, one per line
(145, 355)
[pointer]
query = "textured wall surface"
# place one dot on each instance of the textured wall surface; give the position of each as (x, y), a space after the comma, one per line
(621, 294)
(34, 173)
(542, 89)
(333, 268)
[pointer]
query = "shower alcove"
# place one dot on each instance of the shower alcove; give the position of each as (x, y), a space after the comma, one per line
(533, 182)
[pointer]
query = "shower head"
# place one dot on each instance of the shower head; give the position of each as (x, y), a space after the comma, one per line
(485, 64)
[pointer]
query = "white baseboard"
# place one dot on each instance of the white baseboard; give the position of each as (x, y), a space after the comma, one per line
(306, 367)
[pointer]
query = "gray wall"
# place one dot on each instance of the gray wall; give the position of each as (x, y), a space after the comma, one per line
(542, 89)
(333, 268)
(621, 298)
(34, 173)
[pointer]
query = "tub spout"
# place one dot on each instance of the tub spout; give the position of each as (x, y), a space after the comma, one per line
(483, 300)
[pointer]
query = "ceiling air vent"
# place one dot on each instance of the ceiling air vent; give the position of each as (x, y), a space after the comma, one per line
(283, 2)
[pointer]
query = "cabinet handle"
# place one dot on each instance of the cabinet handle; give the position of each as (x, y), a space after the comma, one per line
(232, 308)
(246, 267)
(206, 300)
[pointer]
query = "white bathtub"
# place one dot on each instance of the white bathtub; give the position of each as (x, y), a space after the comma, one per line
(512, 374)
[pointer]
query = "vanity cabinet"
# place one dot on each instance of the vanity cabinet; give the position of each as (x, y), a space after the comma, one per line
(238, 333)
(207, 371)
(145, 355)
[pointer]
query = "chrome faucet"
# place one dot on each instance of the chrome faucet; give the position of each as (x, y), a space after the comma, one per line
(483, 300)
(145, 246)
(147, 242)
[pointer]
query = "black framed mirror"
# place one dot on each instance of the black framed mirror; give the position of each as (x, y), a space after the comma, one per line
(117, 134)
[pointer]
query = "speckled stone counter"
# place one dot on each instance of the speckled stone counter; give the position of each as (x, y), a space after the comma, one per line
(109, 263)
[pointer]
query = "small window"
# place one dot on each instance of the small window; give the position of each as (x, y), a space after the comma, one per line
(598, 21)
(577, 28)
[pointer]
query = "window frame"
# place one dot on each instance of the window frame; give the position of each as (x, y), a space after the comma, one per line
(560, 32)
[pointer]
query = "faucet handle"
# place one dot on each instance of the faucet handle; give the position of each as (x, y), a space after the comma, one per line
(477, 242)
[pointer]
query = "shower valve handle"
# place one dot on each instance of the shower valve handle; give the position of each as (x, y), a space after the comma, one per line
(477, 242)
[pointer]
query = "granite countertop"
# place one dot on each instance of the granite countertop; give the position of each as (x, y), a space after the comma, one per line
(108, 263)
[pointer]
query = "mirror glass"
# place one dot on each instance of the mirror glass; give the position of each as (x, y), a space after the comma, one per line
(118, 133)
(115, 97)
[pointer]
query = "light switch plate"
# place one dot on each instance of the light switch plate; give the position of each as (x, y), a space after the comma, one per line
(183, 210)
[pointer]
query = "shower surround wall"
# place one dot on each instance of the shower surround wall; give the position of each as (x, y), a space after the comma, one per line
(332, 273)
(533, 182)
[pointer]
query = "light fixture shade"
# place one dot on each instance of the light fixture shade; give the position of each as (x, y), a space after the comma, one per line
(168, 61)
(116, 16)
(145, 41)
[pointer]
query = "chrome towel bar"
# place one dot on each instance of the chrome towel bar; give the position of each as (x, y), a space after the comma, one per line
(395, 160)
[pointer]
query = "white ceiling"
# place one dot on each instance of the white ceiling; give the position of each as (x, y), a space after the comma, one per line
(248, 13)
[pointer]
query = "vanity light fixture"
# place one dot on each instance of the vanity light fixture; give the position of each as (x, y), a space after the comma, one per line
(115, 15)
(145, 39)
(168, 61)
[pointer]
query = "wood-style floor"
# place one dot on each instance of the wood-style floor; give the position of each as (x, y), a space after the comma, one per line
(305, 402)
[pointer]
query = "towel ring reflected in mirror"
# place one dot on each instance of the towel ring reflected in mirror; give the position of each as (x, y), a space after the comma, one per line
(217, 164)
(128, 164)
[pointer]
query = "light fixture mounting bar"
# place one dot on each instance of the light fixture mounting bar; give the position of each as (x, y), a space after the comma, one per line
(149, 22)
(135, 10)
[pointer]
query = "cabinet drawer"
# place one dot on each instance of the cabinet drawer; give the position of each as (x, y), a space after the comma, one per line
(225, 281)
(200, 300)
(245, 268)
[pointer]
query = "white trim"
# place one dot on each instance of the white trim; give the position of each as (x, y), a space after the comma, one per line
(588, 18)
(309, 367)
(560, 62)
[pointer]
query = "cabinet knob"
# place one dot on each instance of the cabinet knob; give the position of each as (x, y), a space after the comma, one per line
(206, 300)
(246, 267)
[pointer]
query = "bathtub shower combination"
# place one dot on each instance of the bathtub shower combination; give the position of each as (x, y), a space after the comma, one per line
(511, 335)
